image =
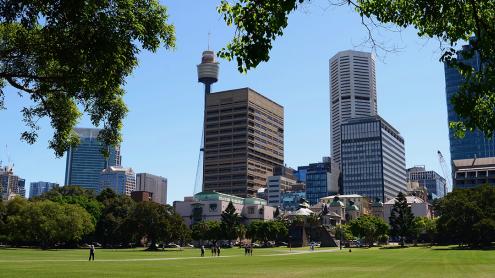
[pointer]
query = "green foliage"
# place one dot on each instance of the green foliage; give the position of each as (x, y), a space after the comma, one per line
(66, 55)
(344, 232)
(267, 230)
(46, 223)
(259, 23)
(467, 216)
(369, 228)
(111, 228)
(401, 219)
(151, 221)
(230, 221)
(77, 196)
(207, 230)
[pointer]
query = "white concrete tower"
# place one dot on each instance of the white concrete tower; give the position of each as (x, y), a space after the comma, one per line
(352, 92)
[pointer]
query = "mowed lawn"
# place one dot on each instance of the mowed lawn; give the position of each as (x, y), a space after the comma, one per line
(276, 262)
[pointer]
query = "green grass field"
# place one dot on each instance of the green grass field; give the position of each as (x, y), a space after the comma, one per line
(277, 262)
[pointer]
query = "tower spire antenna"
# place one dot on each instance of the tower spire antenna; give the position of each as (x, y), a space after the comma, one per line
(209, 37)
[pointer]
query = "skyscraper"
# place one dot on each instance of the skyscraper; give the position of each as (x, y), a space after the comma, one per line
(10, 184)
(85, 162)
(352, 92)
(244, 140)
(373, 158)
(40, 187)
(121, 180)
(321, 180)
(474, 144)
(154, 184)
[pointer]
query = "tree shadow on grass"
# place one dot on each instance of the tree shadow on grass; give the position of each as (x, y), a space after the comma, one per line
(463, 248)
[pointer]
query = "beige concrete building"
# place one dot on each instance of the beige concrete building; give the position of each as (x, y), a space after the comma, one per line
(154, 184)
(244, 140)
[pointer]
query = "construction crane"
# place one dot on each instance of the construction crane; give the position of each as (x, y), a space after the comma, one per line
(443, 164)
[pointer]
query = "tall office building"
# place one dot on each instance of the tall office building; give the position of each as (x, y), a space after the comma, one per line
(244, 140)
(352, 92)
(121, 180)
(155, 184)
(473, 144)
(85, 162)
(373, 159)
(40, 187)
(431, 180)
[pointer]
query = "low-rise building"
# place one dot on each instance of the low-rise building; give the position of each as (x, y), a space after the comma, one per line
(469, 173)
(362, 202)
(419, 207)
(282, 181)
(206, 206)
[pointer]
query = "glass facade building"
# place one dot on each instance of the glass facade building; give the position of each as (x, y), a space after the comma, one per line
(431, 180)
(474, 144)
(120, 180)
(85, 162)
(373, 159)
(319, 181)
(40, 187)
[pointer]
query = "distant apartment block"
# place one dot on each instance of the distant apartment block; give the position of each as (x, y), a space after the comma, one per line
(469, 173)
(474, 144)
(85, 162)
(373, 159)
(431, 180)
(119, 179)
(156, 185)
(321, 180)
(40, 187)
(352, 92)
(244, 140)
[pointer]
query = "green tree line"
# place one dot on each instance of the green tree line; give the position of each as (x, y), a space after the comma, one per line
(69, 216)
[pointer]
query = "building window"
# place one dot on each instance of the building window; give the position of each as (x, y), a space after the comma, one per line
(250, 210)
(213, 207)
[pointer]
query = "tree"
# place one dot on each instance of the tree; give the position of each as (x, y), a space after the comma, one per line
(230, 221)
(111, 228)
(401, 219)
(46, 223)
(70, 55)
(149, 220)
(343, 232)
(259, 23)
(75, 195)
(214, 231)
(466, 217)
(265, 231)
(368, 227)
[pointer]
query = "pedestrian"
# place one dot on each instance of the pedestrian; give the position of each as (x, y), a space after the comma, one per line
(91, 252)
(213, 250)
(250, 250)
(350, 250)
(202, 250)
(218, 251)
(246, 250)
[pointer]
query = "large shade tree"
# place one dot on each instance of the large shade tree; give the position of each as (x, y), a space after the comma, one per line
(259, 22)
(401, 219)
(70, 57)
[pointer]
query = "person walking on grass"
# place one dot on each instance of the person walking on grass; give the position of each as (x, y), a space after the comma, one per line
(213, 250)
(91, 252)
(202, 250)
(218, 250)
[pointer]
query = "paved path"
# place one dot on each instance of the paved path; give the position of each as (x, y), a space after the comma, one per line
(175, 258)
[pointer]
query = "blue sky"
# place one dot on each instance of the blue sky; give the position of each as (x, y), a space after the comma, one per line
(162, 131)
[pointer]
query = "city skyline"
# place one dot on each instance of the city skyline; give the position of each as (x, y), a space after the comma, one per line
(165, 85)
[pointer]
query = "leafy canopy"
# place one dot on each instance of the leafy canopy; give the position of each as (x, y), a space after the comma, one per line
(68, 56)
(259, 22)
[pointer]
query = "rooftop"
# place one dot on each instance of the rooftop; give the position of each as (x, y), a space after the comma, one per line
(475, 162)
(410, 200)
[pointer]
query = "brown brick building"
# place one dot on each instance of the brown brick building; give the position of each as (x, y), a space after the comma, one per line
(244, 140)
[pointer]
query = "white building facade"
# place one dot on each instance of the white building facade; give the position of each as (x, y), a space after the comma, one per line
(352, 92)
(119, 179)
